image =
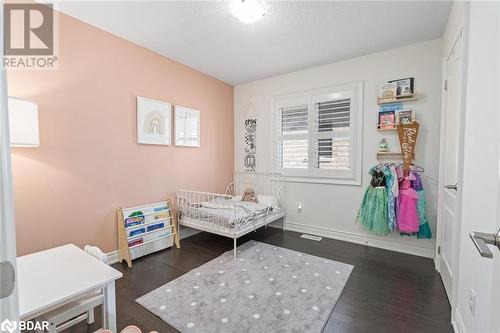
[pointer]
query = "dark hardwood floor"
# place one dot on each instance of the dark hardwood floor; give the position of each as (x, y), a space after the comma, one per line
(387, 291)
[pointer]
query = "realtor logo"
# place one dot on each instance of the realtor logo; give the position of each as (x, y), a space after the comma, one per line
(29, 29)
(29, 36)
(8, 326)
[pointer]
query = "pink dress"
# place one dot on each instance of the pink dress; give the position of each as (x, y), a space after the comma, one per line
(408, 221)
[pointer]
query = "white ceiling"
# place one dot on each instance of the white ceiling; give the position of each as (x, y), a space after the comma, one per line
(293, 35)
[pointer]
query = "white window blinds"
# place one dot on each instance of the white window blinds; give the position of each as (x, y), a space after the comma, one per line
(293, 137)
(318, 134)
(332, 137)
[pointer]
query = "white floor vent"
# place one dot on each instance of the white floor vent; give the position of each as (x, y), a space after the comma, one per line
(311, 237)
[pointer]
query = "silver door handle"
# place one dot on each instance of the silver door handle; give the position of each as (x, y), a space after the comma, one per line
(481, 239)
(7, 279)
(452, 187)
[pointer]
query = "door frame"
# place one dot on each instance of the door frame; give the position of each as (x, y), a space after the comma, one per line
(462, 32)
(9, 305)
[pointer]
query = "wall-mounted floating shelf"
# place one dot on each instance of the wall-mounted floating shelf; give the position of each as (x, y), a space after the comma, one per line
(397, 99)
(386, 129)
(387, 155)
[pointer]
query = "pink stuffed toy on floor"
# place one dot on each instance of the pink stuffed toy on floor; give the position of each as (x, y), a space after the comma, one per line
(128, 329)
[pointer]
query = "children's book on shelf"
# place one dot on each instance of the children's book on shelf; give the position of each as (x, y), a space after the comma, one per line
(404, 87)
(387, 90)
(136, 232)
(405, 116)
(391, 107)
(387, 120)
(136, 218)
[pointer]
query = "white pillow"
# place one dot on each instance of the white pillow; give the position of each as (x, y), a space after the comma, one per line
(267, 200)
(237, 197)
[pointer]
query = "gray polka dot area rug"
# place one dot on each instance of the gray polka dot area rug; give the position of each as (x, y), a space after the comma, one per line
(266, 289)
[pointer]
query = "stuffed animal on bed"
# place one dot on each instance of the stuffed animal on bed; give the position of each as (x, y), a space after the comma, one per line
(249, 195)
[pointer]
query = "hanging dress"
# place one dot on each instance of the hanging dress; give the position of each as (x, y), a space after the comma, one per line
(408, 220)
(424, 230)
(392, 193)
(372, 215)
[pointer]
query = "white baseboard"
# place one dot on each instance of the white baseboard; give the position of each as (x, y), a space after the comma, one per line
(328, 233)
(112, 257)
(457, 322)
(360, 239)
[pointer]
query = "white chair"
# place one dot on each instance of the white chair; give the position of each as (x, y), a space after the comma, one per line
(79, 309)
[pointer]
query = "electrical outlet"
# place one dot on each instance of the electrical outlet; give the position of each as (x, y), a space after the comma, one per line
(299, 206)
(472, 302)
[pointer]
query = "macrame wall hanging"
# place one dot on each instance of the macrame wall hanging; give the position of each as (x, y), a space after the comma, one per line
(250, 138)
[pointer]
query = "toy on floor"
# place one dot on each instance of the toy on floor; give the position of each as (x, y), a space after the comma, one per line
(128, 329)
(249, 195)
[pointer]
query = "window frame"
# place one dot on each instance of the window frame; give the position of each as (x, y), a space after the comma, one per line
(310, 97)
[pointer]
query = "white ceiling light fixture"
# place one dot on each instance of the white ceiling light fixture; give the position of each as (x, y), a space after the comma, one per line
(248, 11)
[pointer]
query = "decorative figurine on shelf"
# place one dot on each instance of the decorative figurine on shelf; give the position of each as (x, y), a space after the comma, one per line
(383, 146)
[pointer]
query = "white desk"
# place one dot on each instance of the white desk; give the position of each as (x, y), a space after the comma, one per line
(51, 278)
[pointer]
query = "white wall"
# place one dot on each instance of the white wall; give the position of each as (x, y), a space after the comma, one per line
(481, 171)
(330, 210)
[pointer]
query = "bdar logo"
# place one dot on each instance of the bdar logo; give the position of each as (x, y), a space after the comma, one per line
(8, 326)
(28, 29)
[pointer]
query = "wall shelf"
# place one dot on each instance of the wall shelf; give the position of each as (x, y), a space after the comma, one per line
(397, 99)
(387, 155)
(386, 129)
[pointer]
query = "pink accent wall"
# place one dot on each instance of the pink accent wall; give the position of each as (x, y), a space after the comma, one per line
(89, 163)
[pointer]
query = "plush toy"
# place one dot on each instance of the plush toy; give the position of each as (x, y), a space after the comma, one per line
(249, 195)
(128, 329)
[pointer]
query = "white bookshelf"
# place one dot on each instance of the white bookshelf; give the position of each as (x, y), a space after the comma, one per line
(145, 229)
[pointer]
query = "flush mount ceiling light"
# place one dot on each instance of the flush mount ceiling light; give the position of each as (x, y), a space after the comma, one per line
(249, 11)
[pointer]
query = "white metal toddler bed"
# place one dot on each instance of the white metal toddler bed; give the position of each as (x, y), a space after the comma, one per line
(225, 214)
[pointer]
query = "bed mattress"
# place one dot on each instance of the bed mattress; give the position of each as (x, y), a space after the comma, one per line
(225, 212)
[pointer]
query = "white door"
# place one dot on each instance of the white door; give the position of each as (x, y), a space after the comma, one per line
(450, 164)
(9, 312)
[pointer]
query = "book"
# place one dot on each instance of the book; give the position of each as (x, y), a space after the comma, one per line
(386, 120)
(404, 86)
(387, 90)
(391, 107)
(406, 116)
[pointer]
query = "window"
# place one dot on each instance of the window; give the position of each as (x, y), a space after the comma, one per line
(318, 135)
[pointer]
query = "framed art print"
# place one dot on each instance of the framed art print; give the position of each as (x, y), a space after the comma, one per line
(187, 127)
(154, 122)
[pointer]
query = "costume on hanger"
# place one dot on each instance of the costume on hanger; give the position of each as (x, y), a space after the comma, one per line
(394, 201)
(392, 194)
(372, 214)
(424, 230)
(408, 221)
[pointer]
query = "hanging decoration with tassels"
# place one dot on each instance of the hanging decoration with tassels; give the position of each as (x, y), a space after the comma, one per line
(250, 160)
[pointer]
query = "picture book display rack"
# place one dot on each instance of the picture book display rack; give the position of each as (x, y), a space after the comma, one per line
(146, 229)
